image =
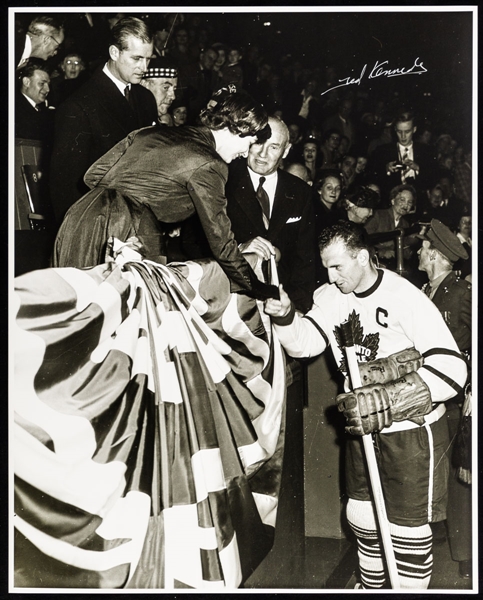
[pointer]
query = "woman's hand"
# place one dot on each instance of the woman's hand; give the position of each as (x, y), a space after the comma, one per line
(278, 308)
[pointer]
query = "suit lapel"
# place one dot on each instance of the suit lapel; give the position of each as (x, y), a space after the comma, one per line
(114, 103)
(282, 206)
(247, 200)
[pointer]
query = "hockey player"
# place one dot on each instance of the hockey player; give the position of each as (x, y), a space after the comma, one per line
(409, 365)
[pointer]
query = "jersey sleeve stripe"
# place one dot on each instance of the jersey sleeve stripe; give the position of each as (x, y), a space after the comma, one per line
(451, 382)
(319, 329)
(447, 351)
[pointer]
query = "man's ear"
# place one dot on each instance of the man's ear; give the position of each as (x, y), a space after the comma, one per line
(289, 145)
(415, 129)
(363, 257)
(114, 52)
(26, 82)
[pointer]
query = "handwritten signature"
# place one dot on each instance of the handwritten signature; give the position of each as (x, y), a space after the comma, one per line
(380, 70)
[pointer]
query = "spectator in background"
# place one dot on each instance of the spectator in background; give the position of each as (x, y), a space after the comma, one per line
(182, 53)
(347, 168)
(359, 204)
(222, 51)
(463, 233)
(329, 149)
(161, 79)
(179, 111)
(404, 161)
(463, 178)
(99, 114)
(233, 69)
(42, 40)
(199, 82)
(342, 121)
(72, 75)
(33, 119)
(299, 171)
(310, 156)
(328, 186)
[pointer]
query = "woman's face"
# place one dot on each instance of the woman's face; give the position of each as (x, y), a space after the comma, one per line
(72, 65)
(403, 203)
(330, 191)
(361, 164)
(180, 115)
(310, 152)
(236, 147)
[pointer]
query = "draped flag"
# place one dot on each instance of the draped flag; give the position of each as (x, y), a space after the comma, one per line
(147, 435)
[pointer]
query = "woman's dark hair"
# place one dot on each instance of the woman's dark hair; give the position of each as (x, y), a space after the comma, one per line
(352, 235)
(129, 27)
(237, 111)
(323, 174)
(328, 133)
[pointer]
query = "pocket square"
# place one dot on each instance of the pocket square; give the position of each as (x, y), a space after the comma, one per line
(293, 219)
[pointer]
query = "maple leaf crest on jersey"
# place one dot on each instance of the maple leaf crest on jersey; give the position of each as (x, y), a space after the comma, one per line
(366, 345)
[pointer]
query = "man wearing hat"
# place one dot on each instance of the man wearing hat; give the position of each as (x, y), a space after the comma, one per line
(101, 112)
(452, 296)
(161, 79)
(360, 204)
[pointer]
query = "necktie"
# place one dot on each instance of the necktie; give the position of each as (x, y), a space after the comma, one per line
(127, 94)
(262, 198)
(428, 290)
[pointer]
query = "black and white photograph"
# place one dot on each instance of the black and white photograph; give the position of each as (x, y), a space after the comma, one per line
(241, 332)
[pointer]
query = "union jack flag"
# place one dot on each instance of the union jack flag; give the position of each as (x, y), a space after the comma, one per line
(148, 426)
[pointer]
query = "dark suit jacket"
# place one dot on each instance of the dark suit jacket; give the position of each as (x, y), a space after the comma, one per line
(453, 297)
(386, 153)
(291, 229)
(87, 125)
(31, 124)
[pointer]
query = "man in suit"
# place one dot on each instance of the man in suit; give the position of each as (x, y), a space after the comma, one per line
(405, 161)
(42, 40)
(33, 119)
(287, 228)
(102, 112)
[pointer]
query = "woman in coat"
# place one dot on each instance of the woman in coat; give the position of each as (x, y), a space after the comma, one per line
(164, 175)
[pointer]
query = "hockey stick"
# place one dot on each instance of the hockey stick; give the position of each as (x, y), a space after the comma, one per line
(353, 369)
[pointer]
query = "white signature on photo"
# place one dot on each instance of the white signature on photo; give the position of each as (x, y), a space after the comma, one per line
(381, 69)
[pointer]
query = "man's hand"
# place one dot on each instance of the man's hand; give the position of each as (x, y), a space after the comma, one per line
(392, 167)
(383, 370)
(410, 164)
(261, 247)
(278, 308)
(370, 408)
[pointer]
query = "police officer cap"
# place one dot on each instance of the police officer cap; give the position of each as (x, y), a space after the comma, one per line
(444, 240)
(161, 67)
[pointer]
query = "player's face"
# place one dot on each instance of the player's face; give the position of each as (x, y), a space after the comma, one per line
(343, 267)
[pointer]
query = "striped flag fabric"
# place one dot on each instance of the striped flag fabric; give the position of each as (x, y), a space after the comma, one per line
(148, 428)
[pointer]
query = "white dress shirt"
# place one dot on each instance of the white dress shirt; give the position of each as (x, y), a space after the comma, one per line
(270, 184)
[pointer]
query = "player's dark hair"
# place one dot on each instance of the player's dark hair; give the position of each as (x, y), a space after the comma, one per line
(352, 235)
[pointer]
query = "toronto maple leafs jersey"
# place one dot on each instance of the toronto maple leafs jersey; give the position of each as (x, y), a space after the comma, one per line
(391, 316)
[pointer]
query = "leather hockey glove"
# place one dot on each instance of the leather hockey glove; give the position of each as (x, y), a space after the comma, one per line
(390, 368)
(371, 408)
